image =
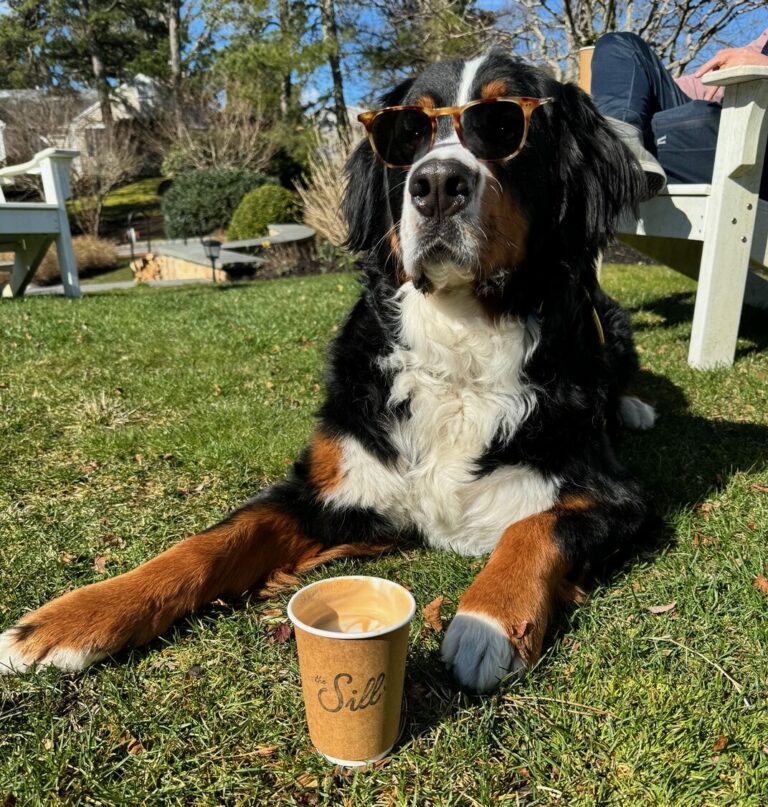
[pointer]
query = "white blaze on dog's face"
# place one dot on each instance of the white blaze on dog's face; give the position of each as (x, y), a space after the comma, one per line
(459, 223)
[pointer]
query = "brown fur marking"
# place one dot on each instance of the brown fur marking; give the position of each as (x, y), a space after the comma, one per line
(506, 229)
(394, 243)
(137, 606)
(521, 583)
(494, 89)
(426, 102)
(325, 458)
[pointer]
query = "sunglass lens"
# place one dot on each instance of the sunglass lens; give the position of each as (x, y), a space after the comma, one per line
(493, 131)
(399, 134)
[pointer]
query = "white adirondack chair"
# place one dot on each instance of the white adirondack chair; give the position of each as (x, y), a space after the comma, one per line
(28, 228)
(717, 232)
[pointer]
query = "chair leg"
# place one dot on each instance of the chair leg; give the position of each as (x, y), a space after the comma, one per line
(67, 265)
(27, 258)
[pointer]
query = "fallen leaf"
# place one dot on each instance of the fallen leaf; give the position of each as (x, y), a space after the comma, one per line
(269, 385)
(760, 488)
(761, 584)
(100, 563)
(525, 773)
(216, 390)
(265, 750)
(752, 525)
(134, 747)
(272, 612)
(701, 540)
(113, 540)
(307, 780)
(67, 558)
(720, 744)
(280, 634)
(657, 610)
(432, 616)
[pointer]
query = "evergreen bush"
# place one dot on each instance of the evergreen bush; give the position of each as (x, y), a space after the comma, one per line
(269, 204)
(203, 201)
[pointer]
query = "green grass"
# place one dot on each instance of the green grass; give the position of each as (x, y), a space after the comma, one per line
(141, 196)
(133, 419)
(122, 272)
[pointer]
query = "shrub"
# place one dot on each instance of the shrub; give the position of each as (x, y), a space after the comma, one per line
(269, 204)
(92, 255)
(201, 201)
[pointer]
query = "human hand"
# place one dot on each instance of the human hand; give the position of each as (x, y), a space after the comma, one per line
(732, 57)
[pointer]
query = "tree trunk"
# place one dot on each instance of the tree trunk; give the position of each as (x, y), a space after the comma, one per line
(103, 88)
(331, 37)
(286, 85)
(173, 13)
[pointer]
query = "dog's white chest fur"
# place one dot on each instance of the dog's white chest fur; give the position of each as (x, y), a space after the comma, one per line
(461, 376)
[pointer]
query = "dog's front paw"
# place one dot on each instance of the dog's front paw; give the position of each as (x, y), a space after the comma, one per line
(476, 649)
(636, 414)
(21, 651)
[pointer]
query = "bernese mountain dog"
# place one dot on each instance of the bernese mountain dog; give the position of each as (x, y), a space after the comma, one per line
(473, 392)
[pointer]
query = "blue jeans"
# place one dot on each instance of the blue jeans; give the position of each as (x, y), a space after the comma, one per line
(630, 83)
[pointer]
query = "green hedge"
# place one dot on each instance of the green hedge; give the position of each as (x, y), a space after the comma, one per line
(202, 201)
(269, 204)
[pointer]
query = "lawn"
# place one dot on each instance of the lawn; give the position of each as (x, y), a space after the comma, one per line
(132, 419)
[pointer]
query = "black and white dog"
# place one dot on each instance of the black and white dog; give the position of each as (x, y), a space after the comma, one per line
(472, 392)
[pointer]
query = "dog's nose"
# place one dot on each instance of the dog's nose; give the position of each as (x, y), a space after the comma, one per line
(442, 188)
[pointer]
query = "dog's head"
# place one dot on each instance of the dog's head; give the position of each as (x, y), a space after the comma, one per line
(452, 216)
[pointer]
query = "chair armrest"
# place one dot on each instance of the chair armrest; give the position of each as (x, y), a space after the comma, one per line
(33, 166)
(735, 75)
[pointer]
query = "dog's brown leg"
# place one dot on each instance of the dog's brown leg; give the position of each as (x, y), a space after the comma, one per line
(87, 624)
(503, 616)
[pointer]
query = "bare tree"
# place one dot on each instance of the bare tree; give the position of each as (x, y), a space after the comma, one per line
(113, 158)
(217, 133)
(551, 32)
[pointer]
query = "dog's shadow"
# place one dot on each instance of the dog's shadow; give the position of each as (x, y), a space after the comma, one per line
(682, 461)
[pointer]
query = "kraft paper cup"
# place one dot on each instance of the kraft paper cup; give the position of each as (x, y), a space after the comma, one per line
(352, 638)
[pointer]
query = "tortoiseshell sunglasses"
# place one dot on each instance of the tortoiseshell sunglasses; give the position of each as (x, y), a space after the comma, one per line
(493, 129)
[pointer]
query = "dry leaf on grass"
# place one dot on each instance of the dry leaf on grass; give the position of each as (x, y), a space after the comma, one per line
(134, 747)
(265, 750)
(720, 744)
(759, 488)
(67, 558)
(100, 563)
(657, 610)
(280, 634)
(307, 780)
(761, 584)
(271, 613)
(432, 616)
(701, 540)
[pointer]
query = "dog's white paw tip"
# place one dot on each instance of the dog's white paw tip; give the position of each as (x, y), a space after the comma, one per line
(11, 659)
(478, 652)
(636, 414)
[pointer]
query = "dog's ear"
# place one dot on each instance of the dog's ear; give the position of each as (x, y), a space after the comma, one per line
(365, 198)
(600, 177)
